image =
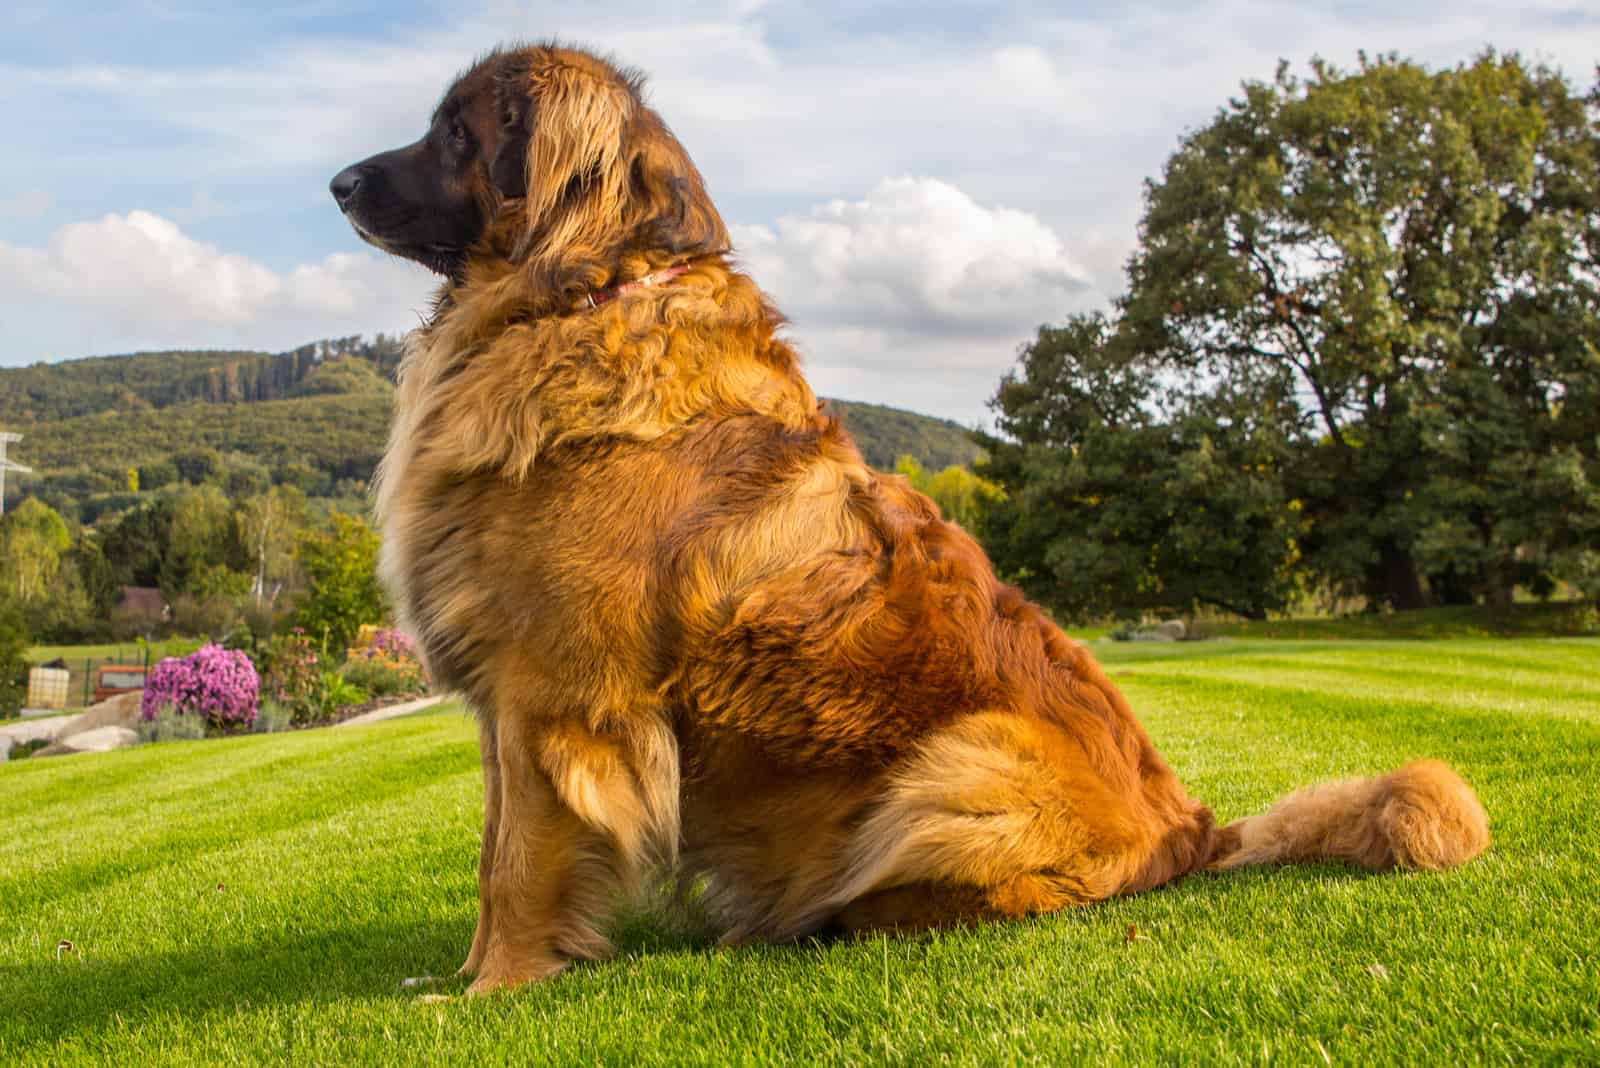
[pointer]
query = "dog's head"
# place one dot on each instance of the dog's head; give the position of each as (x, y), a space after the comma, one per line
(540, 153)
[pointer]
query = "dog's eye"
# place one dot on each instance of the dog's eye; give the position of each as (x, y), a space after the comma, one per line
(458, 136)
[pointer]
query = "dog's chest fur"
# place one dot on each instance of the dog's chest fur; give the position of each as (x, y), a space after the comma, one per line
(590, 493)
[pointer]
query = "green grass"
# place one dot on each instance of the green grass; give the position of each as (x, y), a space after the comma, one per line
(1567, 619)
(260, 899)
(104, 651)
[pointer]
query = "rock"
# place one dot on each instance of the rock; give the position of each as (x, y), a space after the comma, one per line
(94, 740)
(1172, 630)
(62, 732)
(119, 711)
(21, 732)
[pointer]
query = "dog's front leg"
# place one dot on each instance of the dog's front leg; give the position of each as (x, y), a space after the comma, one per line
(489, 751)
(579, 809)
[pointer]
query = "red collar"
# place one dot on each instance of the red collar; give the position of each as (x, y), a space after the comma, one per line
(598, 297)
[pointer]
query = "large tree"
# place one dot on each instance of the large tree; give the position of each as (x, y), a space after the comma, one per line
(268, 523)
(202, 536)
(1119, 502)
(1395, 273)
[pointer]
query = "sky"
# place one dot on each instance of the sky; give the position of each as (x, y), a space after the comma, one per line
(919, 185)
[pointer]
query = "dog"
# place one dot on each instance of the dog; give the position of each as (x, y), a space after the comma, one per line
(698, 632)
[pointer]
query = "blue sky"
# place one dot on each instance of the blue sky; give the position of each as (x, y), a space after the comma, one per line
(919, 184)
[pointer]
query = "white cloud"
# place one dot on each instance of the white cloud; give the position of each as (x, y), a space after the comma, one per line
(917, 254)
(1057, 111)
(915, 288)
(125, 282)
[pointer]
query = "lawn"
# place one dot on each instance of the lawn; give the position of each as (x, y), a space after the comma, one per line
(260, 899)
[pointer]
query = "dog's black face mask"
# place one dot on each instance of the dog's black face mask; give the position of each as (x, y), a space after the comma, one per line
(417, 201)
(431, 200)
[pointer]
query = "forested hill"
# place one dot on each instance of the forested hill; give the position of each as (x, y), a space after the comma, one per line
(50, 392)
(96, 430)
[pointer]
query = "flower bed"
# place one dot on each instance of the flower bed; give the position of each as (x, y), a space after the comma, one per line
(217, 685)
(383, 662)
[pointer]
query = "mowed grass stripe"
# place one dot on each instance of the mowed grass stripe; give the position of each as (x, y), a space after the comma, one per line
(239, 893)
(1239, 746)
(1443, 688)
(1526, 678)
(250, 796)
(298, 958)
(182, 767)
(1574, 658)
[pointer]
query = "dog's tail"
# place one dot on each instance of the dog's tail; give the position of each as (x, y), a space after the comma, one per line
(1422, 815)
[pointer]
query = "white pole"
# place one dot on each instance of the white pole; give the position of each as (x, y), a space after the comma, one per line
(7, 465)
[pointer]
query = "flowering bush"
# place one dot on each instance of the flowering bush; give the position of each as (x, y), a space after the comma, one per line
(384, 662)
(218, 685)
(292, 672)
(382, 677)
(383, 641)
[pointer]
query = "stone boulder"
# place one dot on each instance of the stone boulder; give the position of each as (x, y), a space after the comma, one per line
(94, 740)
(111, 724)
(119, 711)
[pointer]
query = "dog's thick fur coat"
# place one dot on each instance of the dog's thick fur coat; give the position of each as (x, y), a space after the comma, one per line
(699, 631)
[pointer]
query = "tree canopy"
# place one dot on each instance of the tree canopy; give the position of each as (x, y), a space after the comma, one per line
(343, 592)
(1360, 348)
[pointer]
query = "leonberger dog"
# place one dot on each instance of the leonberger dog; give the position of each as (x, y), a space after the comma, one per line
(699, 633)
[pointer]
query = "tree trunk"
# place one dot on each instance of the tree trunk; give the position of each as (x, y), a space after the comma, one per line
(1497, 588)
(1394, 579)
(1452, 588)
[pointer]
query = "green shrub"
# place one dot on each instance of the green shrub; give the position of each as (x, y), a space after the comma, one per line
(170, 725)
(273, 717)
(342, 582)
(338, 692)
(13, 660)
(333, 693)
(23, 750)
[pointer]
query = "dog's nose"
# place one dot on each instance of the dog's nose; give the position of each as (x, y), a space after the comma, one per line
(344, 185)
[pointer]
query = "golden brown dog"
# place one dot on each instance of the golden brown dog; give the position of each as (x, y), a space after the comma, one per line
(696, 628)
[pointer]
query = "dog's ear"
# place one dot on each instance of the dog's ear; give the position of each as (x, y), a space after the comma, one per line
(603, 177)
(576, 182)
(514, 114)
(668, 204)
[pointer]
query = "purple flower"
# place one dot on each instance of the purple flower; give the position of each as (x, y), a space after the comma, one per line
(390, 642)
(217, 684)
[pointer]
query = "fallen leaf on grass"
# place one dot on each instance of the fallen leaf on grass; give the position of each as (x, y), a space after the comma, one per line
(434, 999)
(1377, 971)
(65, 946)
(1133, 935)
